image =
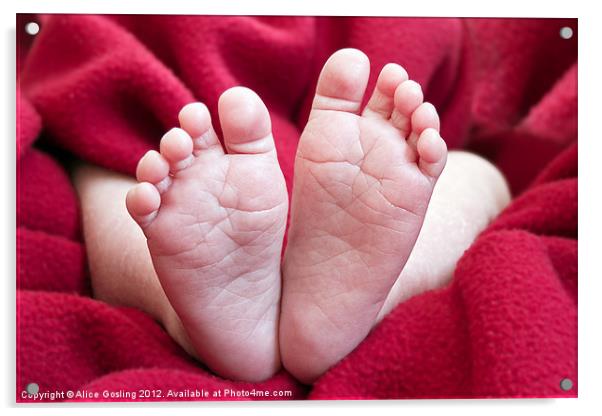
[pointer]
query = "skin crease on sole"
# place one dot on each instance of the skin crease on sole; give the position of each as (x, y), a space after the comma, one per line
(363, 180)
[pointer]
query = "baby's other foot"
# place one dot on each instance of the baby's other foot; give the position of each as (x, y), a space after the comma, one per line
(214, 222)
(363, 180)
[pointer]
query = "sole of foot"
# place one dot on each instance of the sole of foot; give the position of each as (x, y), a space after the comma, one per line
(214, 217)
(363, 180)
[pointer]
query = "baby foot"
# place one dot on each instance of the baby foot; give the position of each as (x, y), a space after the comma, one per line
(214, 224)
(362, 185)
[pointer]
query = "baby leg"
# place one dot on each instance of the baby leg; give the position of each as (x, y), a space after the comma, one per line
(469, 194)
(121, 269)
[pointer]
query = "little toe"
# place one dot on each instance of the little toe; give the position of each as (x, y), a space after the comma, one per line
(176, 147)
(342, 82)
(408, 97)
(381, 103)
(432, 152)
(245, 122)
(142, 202)
(195, 119)
(153, 168)
(424, 117)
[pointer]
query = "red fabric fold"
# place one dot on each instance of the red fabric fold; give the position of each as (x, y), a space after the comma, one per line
(103, 89)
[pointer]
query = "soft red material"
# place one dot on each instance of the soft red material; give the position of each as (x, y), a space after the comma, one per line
(105, 88)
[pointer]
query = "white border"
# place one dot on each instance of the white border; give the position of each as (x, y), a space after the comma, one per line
(508, 8)
(590, 276)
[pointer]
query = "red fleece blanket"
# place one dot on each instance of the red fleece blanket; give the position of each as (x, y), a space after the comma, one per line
(105, 88)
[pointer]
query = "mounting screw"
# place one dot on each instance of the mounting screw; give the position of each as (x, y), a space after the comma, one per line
(32, 388)
(566, 384)
(32, 28)
(566, 32)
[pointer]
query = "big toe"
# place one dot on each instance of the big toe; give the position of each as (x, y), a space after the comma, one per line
(245, 122)
(343, 82)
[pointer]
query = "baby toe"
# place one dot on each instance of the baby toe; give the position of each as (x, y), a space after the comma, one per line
(245, 122)
(143, 202)
(176, 146)
(408, 97)
(432, 152)
(153, 168)
(424, 117)
(195, 119)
